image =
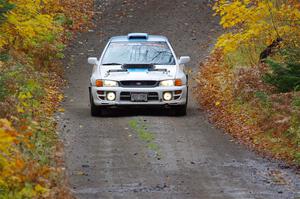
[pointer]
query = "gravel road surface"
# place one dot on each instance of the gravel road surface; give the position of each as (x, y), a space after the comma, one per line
(186, 157)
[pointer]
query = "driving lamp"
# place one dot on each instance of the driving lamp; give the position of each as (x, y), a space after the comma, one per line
(167, 96)
(111, 96)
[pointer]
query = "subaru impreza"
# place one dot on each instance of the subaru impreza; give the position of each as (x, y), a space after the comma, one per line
(138, 70)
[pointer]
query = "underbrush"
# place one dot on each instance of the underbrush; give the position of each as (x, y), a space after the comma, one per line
(32, 39)
(240, 102)
(250, 84)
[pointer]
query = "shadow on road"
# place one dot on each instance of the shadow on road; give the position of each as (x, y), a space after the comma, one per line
(138, 111)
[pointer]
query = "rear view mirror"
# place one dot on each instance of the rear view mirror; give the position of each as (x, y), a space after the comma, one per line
(184, 59)
(93, 60)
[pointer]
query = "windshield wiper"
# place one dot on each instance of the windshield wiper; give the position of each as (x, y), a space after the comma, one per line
(108, 64)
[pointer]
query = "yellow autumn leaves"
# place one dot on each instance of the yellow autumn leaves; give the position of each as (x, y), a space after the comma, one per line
(14, 170)
(32, 38)
(256, 21)
(28, 24)
(7, 138)
(232, 84)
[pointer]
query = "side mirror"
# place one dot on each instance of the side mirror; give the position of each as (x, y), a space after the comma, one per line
(184, 59)
(93, 60)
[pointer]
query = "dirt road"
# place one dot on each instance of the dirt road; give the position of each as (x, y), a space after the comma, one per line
(186, 156)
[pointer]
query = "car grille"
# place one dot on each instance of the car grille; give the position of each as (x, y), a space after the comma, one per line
(142, 84)
(126, 96)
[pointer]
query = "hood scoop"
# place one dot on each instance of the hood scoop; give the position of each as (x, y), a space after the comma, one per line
(138, 67)
(141, 68)
(129, 68)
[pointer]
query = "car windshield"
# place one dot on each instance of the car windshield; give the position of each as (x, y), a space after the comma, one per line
(157, 53)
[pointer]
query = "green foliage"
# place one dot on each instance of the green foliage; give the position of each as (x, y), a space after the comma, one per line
(294, 129)
(296, 102)
(3, 90)
(297, 157)
(262, 96)
(5, 6)
(244, 56)
(284, 76)
(4, 57)
(291, 54)
(62, 19)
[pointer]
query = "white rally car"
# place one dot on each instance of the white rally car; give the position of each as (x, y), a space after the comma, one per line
(138, 70)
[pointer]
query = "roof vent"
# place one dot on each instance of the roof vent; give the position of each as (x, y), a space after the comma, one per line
(137, 36)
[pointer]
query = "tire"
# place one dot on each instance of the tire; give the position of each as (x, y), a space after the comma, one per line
(95, 110)
(182, 109)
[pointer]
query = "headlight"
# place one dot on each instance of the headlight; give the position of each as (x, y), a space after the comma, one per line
(109, 83)
(167, 83)
(175, 82)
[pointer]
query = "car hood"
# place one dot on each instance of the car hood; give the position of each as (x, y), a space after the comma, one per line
(138, 74)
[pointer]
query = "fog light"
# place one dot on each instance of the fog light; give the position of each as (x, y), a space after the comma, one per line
(167, 96)
(111, 96)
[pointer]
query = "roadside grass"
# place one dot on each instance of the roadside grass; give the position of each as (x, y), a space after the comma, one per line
(140, 128)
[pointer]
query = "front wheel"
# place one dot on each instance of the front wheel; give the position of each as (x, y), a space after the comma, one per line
(95, 110)
(180, 110)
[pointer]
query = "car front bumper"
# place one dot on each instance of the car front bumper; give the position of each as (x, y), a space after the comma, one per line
(155, 96)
